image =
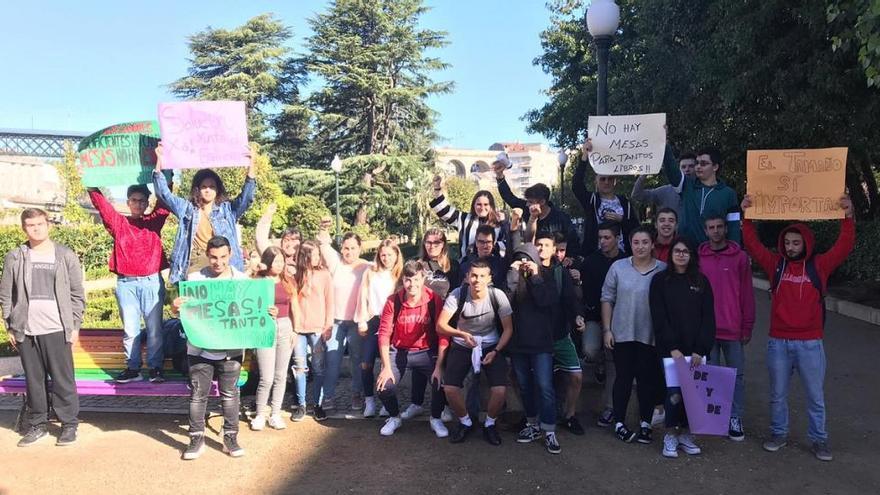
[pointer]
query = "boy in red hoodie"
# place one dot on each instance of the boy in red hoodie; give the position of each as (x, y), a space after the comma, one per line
(729, 271)
(797, 320)
(408, 339)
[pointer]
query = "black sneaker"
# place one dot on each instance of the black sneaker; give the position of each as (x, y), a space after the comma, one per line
(735, 431)
(606, 419)
(298, 414)
(624, 434)
(645, 435)
(490, 434)
(320, 415)
(529, 434)
(230, 445)
(128, 375)
(34, 435)
(156, 375)
(67, 436)
(574, 426)
(460, 434)
(552, 443)
(195, 448)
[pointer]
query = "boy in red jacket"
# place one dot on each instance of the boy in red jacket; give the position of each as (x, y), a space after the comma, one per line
(797, 320)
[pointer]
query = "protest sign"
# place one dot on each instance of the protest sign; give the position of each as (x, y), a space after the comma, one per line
(203, 134)
(119, 155)
(627, 144)
(708, 394)
(228, 314)
(795, 184)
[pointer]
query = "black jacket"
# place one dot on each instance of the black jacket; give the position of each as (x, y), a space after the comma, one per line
(556, 221)
(683, 314)
(497, 266)
(593, 271)
(590, 202)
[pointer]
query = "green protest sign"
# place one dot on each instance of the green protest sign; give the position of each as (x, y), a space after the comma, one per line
(119, 155)
(228, 313)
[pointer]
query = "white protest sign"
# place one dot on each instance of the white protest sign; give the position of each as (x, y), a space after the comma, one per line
(627, 144)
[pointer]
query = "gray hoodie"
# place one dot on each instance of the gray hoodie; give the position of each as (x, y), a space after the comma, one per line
(629, 291)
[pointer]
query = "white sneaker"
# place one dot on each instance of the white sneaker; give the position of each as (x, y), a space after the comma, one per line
(369, 407)
(275, 422)
(412, 411)
(383, 412)
(446, 416)
(391, 425)
(670, 445)
(258, 423)
(659, 418)
(439, 428)
(687, 444)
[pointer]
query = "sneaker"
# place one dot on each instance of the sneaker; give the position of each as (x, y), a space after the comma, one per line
(128, 375)
(735, 430)
(460, 434)
(606, 419)
(258, 423)
(687, 444)
(490, 435)
(552, 444)
(230, 445)
(156, 375)
(357, 402)
(276, 423)
(369, 407)
(775, 443)
(320, 415)
(446, 416)
(383, 413)
(670, 445)
(391, 425)
(412, 411)
(646, 435)
(658, 418)
(67, 436)
(34, 435)
(195, 448)
(529, 434)
(574, 426)
(439, 428)
(298, 414)
(822, 451)
(625, 434)
(329, 405)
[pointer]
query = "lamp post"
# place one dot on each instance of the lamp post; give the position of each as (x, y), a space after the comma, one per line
(563, 161)
(336, 167)
(603, 18)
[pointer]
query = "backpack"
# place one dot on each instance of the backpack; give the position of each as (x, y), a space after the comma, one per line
(812, 272)
(398, 306)
(462, 298)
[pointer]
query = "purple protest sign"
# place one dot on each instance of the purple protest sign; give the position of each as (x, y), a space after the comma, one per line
(708, 394)
(203, 134)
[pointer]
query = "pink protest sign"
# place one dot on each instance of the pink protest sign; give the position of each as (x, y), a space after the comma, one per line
(203, 134)
(708, 394)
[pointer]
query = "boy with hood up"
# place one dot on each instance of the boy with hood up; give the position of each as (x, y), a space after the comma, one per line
(797, 319)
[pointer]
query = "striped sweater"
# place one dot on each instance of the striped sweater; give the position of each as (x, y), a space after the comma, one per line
(466, 224)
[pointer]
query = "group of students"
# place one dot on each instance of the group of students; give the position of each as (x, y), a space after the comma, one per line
(528, 293)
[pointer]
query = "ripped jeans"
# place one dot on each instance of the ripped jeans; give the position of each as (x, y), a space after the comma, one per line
(302, 342)
(201, 374)
(675, 413)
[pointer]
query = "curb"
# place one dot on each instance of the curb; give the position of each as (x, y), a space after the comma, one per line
(840, 306)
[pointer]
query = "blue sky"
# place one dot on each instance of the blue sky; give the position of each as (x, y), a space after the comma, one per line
(81, 66)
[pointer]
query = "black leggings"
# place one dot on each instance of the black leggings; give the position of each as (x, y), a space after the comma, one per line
(635, 360)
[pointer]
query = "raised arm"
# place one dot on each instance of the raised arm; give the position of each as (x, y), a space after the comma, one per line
(671, 170)
(846, 239)
(111, 218)
(640, 194)
(176, 204)
(264, 225)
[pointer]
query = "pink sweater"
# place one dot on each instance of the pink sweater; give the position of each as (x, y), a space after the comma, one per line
(315, 302)
(347, 281)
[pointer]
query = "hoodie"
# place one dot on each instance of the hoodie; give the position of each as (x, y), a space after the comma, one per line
(555, 221)
(796, 311)
(414, 329)
(682, 313)
(730, 273)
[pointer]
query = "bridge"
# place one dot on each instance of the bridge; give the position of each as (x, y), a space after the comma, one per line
(37, 143)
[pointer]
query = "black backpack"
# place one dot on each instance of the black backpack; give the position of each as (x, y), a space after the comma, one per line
(463, 293)
(812, 272)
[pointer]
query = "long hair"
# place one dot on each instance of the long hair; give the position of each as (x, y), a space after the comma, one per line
(443, 259)
(397, 267)
(266, 259)
(304, 266)
(200, 176)
(492, 217)
(692, 270)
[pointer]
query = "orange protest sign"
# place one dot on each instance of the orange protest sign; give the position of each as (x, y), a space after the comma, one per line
(795, 184)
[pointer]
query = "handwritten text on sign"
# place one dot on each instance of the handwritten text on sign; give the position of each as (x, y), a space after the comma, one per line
(228, 314)
(203, 134)
(795, 184)
(122, 154)
(708, 396)
(627, 144)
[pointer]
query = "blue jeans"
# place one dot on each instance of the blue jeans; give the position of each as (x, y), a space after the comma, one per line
(535, 371)
(734, 357)
(808, 358)
(344, 331)
(301, 344)
(141, 297)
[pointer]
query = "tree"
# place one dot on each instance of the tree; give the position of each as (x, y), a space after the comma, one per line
(249, 63)
(460, 192)
(858, 29)
(74, 191)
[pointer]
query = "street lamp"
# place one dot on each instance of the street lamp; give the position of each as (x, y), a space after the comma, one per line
(336, 167)
(563, 161)
(603, 18)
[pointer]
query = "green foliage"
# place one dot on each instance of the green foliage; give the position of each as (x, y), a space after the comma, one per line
(73, 212)
(303, 212)
(102, 311)
(460, 192)
(857, 29)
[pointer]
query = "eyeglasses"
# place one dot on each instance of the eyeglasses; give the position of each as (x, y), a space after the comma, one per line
(681, 252)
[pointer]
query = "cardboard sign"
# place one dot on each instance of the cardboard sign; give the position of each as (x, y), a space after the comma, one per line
(119, 155)
(204, 134)
(627, 144)
(708, 395)
(796, 184)
(228, 314)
